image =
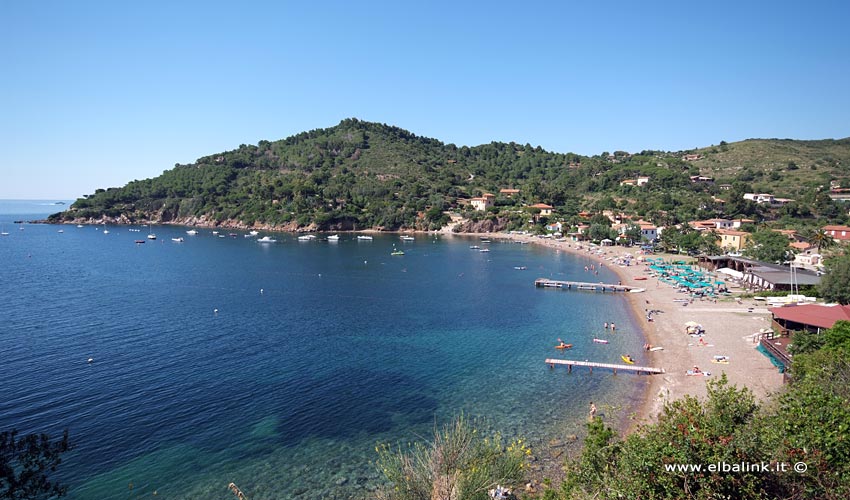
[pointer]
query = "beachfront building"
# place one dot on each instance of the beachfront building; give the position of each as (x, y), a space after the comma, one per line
(799, 317)
(648, 232)
(757, 275)
(484, 202)
(810, 317)
(731, 240)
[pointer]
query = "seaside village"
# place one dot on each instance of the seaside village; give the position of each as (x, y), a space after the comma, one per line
(724, 283)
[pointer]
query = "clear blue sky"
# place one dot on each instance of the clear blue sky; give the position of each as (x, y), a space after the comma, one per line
(96, 94)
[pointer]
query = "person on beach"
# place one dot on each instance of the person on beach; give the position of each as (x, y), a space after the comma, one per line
(696, 370)
(592, 410)
(613, 327)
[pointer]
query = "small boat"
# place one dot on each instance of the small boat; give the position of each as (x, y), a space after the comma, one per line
(253, 233)
(600, 341)
(333, 237)
(215, 232)
(397, 252)
(520, 268)
(191, 232)
(177, 240)
(364, 237)
(654, 349)
(139, 242)
(266, 239)
(640, 278)
(484, 250)
(61, 231)
(627, 359)
(564, 346)
(79, 225)
(474, 247)
(407, 238)
(151, 236)
(307, 237)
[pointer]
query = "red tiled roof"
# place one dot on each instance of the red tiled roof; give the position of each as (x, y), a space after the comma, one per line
(812, 314)
(541, 206)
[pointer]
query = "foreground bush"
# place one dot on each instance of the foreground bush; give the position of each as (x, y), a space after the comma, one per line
(461, 463)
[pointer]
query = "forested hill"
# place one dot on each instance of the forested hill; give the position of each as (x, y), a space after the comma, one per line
(368, 175)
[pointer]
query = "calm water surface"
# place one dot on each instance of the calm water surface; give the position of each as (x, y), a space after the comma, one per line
(317, 352)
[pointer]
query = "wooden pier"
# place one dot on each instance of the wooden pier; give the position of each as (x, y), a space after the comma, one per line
(582, 285)
(591, 364)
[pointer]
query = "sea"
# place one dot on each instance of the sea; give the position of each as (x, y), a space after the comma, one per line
(279, 367)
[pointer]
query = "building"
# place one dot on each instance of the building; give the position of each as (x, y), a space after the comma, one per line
(809, 317)
(839, 233)
(702, 225)
(767, 199)
(724, 187)
(692, 157)
(509, 193)
(761, 275)
(484, 202)
(545, 210)
(702, 179)
(648, 232)
(731, 240)
(640, 181)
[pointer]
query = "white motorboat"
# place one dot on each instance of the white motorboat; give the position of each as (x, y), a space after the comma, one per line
(334, 237)
(266, 239)
(191, 232)
(364, 237)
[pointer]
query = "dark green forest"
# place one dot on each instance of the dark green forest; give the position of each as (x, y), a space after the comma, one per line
(362, 175)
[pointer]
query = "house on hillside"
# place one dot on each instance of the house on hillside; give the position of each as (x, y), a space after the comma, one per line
(484, 202)
(509, 193)
(839, 233)
(724, 187)
(767, 199)
(545, 210)
(702, 179)
(692, 157)
(709, 224)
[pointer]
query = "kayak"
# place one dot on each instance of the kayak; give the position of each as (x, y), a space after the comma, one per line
(640, 278)
(600, 341)
(565, 346)
(627, 360)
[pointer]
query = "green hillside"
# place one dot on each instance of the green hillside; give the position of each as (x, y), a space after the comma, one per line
(780, 166)
(368, 175)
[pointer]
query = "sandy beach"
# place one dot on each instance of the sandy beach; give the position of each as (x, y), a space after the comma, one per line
(729, 331)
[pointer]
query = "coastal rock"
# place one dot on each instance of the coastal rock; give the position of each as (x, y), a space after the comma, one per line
(482, 226)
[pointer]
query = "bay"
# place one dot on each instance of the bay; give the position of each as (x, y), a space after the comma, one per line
(280, 366)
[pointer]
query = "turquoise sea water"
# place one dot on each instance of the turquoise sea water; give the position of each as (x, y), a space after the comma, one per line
(285, 391)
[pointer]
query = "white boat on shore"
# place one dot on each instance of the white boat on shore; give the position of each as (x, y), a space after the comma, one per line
(266, 239)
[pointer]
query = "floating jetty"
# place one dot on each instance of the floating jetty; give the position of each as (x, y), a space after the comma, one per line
(582, 285)
(591, 364)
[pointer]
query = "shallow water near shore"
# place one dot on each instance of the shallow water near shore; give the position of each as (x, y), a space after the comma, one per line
(317, 351)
